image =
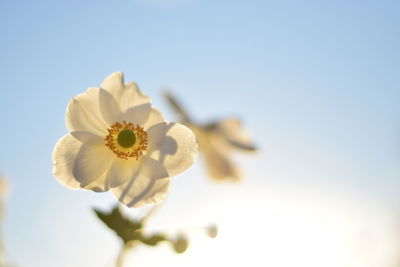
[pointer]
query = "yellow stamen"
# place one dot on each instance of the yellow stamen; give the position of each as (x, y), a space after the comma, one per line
(126, 140)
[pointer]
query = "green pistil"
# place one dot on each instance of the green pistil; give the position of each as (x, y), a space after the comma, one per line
(126, 138)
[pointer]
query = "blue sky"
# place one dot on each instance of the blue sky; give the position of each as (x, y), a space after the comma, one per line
(315, 82)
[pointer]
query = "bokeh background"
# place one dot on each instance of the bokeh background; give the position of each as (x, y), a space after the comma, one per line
(316, 83)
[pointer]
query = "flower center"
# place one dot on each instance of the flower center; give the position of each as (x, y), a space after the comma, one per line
(126, 140)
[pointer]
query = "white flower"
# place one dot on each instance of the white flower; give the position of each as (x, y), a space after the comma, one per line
(118, 142)
(4, 187)
(217, 141)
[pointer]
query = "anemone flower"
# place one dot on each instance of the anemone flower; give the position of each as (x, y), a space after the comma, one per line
(217, 140)
(117, 141)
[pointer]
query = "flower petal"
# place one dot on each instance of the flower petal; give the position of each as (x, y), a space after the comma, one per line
(232, 131)
(173, 145)
(218, 164)
(109, 107)
(132, 96)
(127, 95)
(64, 156)
(87, 137)
(138, 114)
(92, 161)
(121, 171)
(156, 135)
(152, 168)
(98, 185)
(142, 190)
(215, 151)
(154, 118)
(114, 84)
(83, 113)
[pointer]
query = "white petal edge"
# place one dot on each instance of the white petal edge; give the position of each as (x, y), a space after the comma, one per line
(132, 96)
(173, 145)
(114, 84)
(64, 155)
(109, 107)
(141, 191)
(127, 95)
(83, 113)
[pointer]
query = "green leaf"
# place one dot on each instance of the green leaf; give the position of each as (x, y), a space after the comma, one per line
(125, 228)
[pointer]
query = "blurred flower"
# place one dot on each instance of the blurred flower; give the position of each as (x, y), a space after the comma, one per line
(4, 191)
(217, 140)
(118, 142)
(4, 188)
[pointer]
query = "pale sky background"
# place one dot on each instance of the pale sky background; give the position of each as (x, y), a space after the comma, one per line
(315, 82)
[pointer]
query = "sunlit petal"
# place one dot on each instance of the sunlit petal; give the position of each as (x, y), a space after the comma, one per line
(152, 168)
(232, 131)
(114, 84)
(218, 164)
(64, 156)
(132, 96)
(109, 108)
(83, 113)
(127, 95)
(117, 140)
(87, 137)
(138, 114)
(121, 171)
(154, 118)
(156, 135)
(98, 185)
(92, 160)
(141, 190)
(173, 145)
